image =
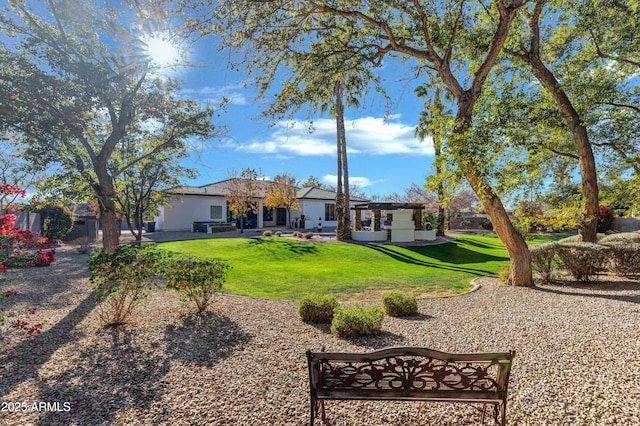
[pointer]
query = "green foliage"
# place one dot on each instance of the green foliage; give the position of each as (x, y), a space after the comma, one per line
(74, 90)
(267, 233)
(583, 260)
(429, 217)
(398, 304)
(357, 321)
(504, 272)
(57, 221)
(543, 259)
(523, 227)
(278, 233)
(317, 308)
(625, 258)
(196, 279)
(121, 279)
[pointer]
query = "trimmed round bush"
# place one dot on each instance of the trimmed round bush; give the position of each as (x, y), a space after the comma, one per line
(278, 233)
(397, 304)
(357, 321)
(543, 259)
(267, 234)
(317, 308)
(622, 237)
(583, 260)
(57, 221)
(625, 258)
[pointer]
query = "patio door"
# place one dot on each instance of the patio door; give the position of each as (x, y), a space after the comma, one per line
(281, 217)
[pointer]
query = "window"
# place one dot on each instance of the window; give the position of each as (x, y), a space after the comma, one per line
(216, 212)
(329, 211)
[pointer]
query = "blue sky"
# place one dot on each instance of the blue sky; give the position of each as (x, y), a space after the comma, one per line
(384, 156)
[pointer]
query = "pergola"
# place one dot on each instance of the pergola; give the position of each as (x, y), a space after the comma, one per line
(377, 208)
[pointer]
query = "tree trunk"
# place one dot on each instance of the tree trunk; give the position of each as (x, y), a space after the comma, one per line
(107, 207)
(110, 231)
(581, 138)
(520, 273)
(346, 231)
(343, 226)
(437, 144)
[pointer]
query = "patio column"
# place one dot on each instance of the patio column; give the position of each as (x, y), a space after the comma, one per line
(417, 219)
(377, 215)
(357, 220)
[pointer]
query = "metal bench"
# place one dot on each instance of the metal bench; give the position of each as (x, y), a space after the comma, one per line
(410, 374)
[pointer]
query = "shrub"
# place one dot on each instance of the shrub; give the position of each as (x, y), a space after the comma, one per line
(397, 304)
(605, 219)
(296, 234)
(504, 272)
(197, 279)
(625, 258)
(278, 233)
(15, 245)
(57, 221)
(308, 235)
(486, 224)
(622, 237)
(356, 321)
(317, 308)
(583, 260)
(571, 239)
(543, 259)
(267, 234)
(83, 244)
(578, 239)
(121, 279)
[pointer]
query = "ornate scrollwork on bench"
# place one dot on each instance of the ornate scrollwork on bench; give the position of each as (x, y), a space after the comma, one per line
(411, 374)
(419, 374)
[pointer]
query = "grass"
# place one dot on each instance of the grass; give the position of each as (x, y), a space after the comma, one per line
(283, 268)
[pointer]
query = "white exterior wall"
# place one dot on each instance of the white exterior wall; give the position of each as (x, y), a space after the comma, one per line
(314, 209)
(181, 213)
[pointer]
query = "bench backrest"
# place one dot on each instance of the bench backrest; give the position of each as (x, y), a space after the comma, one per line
(409, 371)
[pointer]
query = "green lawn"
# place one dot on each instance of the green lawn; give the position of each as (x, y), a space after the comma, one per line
(283, 268)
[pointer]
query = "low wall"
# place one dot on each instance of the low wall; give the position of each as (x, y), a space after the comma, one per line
(369, 236)
(425, 235)
(25, 220)
(625, 224)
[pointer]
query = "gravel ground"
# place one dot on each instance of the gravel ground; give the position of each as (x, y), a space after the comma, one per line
(577, 356)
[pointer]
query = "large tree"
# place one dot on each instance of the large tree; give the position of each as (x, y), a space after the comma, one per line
(243, 194)
(283, 193)
(140, 189)
(530, 51)
(75, 76)
(458, 41)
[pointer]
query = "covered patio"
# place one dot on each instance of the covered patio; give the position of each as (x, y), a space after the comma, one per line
(405, 225)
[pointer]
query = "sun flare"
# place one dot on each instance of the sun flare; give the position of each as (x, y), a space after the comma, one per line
(162, 51)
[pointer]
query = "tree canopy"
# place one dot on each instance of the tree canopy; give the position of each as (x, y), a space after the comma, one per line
(76, 78)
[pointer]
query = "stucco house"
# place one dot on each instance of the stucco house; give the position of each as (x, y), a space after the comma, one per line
(204, 205)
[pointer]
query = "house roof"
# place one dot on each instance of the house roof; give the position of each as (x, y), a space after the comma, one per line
(388, 206)
(220, 189)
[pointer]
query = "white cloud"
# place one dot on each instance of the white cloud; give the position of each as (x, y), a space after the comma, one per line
(357, 181)
(368, 135)
(215, 95)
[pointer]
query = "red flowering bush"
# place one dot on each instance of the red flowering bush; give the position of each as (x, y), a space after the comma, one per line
(15, 244)
(605, 219)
